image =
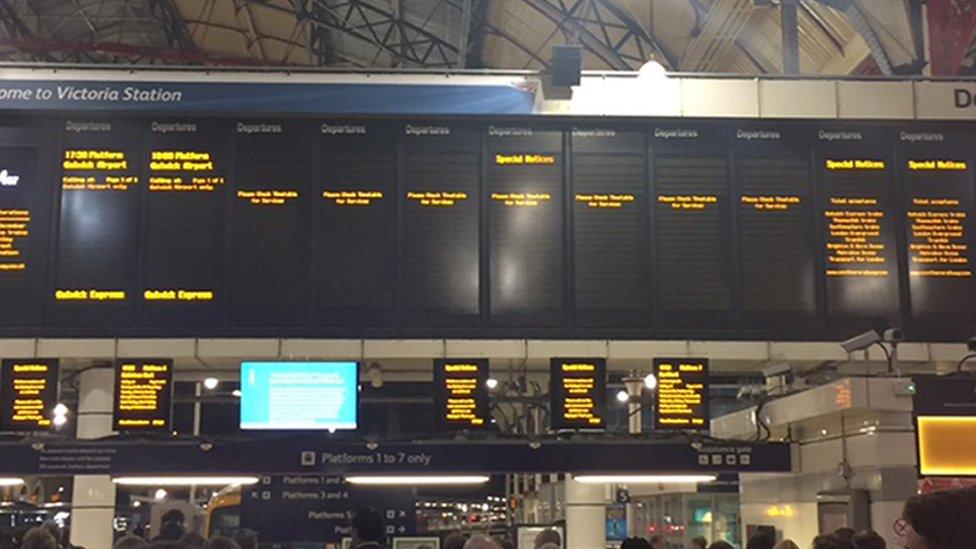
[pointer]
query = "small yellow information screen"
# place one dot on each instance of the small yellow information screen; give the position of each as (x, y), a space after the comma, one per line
(682, 393)
(28, 394)
(461, 393)
(578, 388)
(143, 395)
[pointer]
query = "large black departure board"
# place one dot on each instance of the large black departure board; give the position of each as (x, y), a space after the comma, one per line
(692, 225)
(775, 226)
(611, 232)
(525, 219)
(270, 240)
(101, 178)
(25, 218)
(196, 226)
(356, 209)
(439, 234)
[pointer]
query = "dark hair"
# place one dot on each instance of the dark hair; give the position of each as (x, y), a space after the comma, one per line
(454, 541)
(247, 539)
(171, 531)
(548, 535)
(868, 539)
(656, 538)
(193, 540)
(39, 538)
(759, 541)
(173, 515)
(164, 544)
(368, 525)
(831, 542)
(131, 542)
(700, 541)
(632, 543)
(720, 544)
(845, 533)
(943, 519)
(221, 542)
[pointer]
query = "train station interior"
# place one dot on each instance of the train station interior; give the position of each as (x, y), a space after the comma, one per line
(487, 274)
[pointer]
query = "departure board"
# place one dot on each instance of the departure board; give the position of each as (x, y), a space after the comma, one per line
(526, 251)
(25, 213)
(692, 225)
(461, 394)
(439, 234)
(857, 205)
(776, 231)
(143, 395)
(187, 183)
(28, 394)
(937, 174)
(270, 244)
(356, 197)
(100, 180)
(682, 393)
(578, 393)
(611, 229)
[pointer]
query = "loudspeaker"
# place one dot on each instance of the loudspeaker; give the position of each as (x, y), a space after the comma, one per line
(567, 62)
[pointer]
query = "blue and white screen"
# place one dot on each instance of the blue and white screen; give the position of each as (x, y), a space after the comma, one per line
(299, 395)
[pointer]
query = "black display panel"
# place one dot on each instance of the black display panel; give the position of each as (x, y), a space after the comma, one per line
(526, 254)
(143, 395)
(577, 393)
(682, 394)
(439, 233)
(356, 237)
(101, 177)
(775, 226)
(28, 394)
(936, 173)
(25, 218)
(461, 393)
(858, 226)
(692, 228)
(270, 246)
(611, 229)
(183, 246)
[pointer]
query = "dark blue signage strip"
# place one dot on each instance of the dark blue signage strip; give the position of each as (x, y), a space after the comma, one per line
(226, 97)
(294, 456)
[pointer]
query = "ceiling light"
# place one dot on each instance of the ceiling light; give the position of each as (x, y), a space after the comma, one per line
(650, 382)
(236, 393)
(623, 397)
(491, 383)
(60, 410)
(184, 481)
(643, 479)
(160, 494)
(411, 480)
(211, 383)
(59, 420)
(6, 482)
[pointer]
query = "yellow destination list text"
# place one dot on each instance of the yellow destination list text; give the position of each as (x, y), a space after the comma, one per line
(353, 198)
(437, 199)
(521, 200)
(605, 200)
(14, 231)
(268, 198)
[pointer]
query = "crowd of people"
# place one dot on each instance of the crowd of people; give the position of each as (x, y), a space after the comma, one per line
(941, 520)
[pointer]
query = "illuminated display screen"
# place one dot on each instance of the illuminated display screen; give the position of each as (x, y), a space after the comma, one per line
(682, 393)
(299, 395)
(460, 394)
(578, 391)
(28, 394)
(945, 416)
(345, 227)
(525, 230)
(143, 395)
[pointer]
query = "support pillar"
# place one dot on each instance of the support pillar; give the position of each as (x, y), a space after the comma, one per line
(790, 36)
(93, 497)
(586, 515)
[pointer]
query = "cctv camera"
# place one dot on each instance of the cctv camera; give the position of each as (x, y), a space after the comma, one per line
(894, 335)
(861, 341)
(776, 370)
(971, 344)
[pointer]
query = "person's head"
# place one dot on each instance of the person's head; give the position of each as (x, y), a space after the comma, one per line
(39, 538)
(164, 544)
(173, 515)
(454, 541)
(549, 546)
(630, 543)
(548, 536)
(868, 539)
(367, 525)
(720, 544)
(941, 520)
(131, 542)
(787, 544)
(481, 542)
(699, 542)
(845, 533)
(171, 531)
(759, 541)
(247, 539)
(658, 542)
(193, 540)
(831, 542)
(221, 542)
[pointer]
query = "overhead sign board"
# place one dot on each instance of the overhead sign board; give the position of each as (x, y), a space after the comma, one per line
(28, 394)
(143, 395)
(578, 393)
(461, 394)
(682, 393)
(945, 415)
